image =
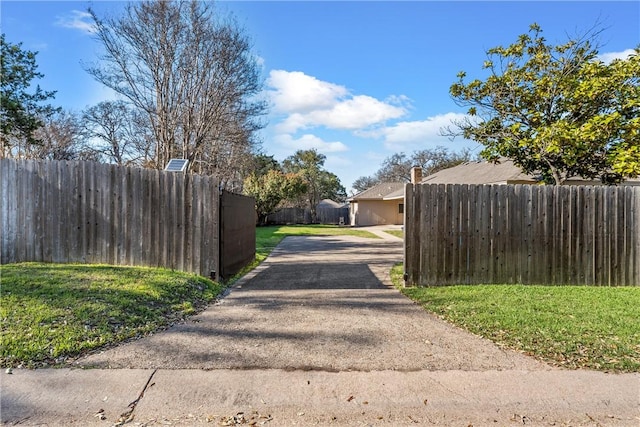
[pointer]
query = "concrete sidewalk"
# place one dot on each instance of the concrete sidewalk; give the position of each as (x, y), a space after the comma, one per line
(275, 397)
(317, 336)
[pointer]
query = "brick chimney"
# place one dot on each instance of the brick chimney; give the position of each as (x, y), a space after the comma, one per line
(416, 175)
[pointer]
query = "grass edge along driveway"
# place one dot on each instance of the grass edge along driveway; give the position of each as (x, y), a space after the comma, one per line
(54, 312)
(575, 327)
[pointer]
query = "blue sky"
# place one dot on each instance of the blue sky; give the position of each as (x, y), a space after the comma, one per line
(356, 80)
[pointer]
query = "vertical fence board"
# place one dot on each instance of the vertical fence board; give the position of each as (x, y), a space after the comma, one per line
(45, 195)
(616, 240)
(210, 225)
(430, 256)
(606, 238)
(66, 219)
(5, 203)
(86, 212)
(491, 230)
(447, 229)
(25, 205)
(182, 230)
(39, 192)
(137, 223)
(632, 215)
(557, 256)
(548, 236)
(502, 255)
(525, 240)
(474, 237)
(163, 229)
(20, 206)
(125, 206)
(57, 216)
(187, 224)
(590, 236)
(104, 212)
(156, 226)
(75, 240)
(442, 231)
(580, 239)
(197, 218)
(411, 249)
(204, 242)
(513, 228)
(570, 246)
(635, 227)
(463, 234)
(117, 213)
(598, 226)
(419, 210)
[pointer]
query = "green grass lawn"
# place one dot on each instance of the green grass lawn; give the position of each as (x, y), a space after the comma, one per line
(569, 326)
(51, 312)
(397, 233)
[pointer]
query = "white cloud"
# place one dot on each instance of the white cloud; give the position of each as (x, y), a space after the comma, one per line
(356, 113)
(77, 20)
(610, 56)
(353, 114)
(296, 92)
(414, 134)
(309, 102)
(308, 142)
(292, 123)
(399, 100)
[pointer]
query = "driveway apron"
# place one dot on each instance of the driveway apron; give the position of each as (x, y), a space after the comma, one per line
(317, 303)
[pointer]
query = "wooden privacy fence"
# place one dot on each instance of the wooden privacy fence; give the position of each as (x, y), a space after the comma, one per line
(88, 212)
(303, 216)
(237, 233)
(529, 234)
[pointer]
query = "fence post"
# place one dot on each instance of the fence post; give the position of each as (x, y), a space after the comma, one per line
(412, 234)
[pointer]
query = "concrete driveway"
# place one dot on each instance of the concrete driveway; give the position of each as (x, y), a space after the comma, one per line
(318, 336)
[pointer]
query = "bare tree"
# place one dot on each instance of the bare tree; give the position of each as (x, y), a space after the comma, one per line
(58, 138)
(193, 75)
(116, 133)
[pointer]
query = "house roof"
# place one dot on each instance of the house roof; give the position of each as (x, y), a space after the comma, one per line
(379, 192)
(396, 195)
(504, 172)
(331, 204)
(328, 203)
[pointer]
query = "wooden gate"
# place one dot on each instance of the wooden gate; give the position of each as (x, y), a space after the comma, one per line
(237, 233)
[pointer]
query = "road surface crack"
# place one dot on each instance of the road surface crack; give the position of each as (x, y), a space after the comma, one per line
(127, 416)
